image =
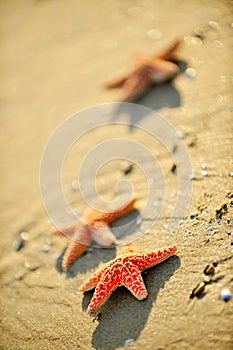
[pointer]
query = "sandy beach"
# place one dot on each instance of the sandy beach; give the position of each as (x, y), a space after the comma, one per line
(55, 57)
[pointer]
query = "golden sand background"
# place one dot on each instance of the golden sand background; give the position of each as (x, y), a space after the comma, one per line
(55, 56)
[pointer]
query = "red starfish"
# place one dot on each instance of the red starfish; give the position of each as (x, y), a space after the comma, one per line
(148, 71)
(125, 270)
(95, 227)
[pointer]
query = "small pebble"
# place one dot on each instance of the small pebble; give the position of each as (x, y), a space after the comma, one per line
(231, 174)
(192, 176)
(192, 142)
(18, 244)
(24, 236)
(74, 186)
(212, 233)
(128, 170)
(45, 248)
(97, 317)
(204, 173)
(209, 270)
(193, 40)
(154, 34)
(190, 73)
(147, 232)
(173, 194)
(197, 41)
(138, 220)
(173, 168)
(219, 212)
(213, 25)
(76, 211)
(203, 166)
(150, 181)
(218, 43)
(197, 290)
(193, 216)
(226, 294)
(31, 266)
(57, 255)
(129, 341)
(18, 276)
(48, 241)
(200, 33)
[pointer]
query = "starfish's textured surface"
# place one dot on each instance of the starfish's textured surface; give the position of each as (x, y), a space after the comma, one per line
(95, 228)
(125, 270)
(147, 71)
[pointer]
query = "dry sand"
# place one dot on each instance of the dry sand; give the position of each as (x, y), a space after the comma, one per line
(55, 55)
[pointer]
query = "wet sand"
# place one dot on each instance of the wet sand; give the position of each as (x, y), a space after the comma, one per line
(55, 57)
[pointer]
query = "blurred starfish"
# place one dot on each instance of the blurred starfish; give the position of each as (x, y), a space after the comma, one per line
(125, 270)
(148, 71)
(95, 228)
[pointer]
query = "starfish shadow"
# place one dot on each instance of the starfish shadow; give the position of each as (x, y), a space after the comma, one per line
(89, 260)
(123, 316)
(158, 97)
(165, 95)
(125, 228)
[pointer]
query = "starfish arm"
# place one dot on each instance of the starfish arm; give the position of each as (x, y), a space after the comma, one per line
(121, 211)
(77, 247)
(66, 230)
(136, 86)
(140, 60)
(104, 289)
(110, 216)
(116, 83)
(150, 259)
(102, 234)
(162, 71)
(168, 53)
(93, 280)
(134, 283)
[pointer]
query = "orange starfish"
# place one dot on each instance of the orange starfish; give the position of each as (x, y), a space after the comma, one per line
(148, 71)
(95, 228)
(125, 270)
